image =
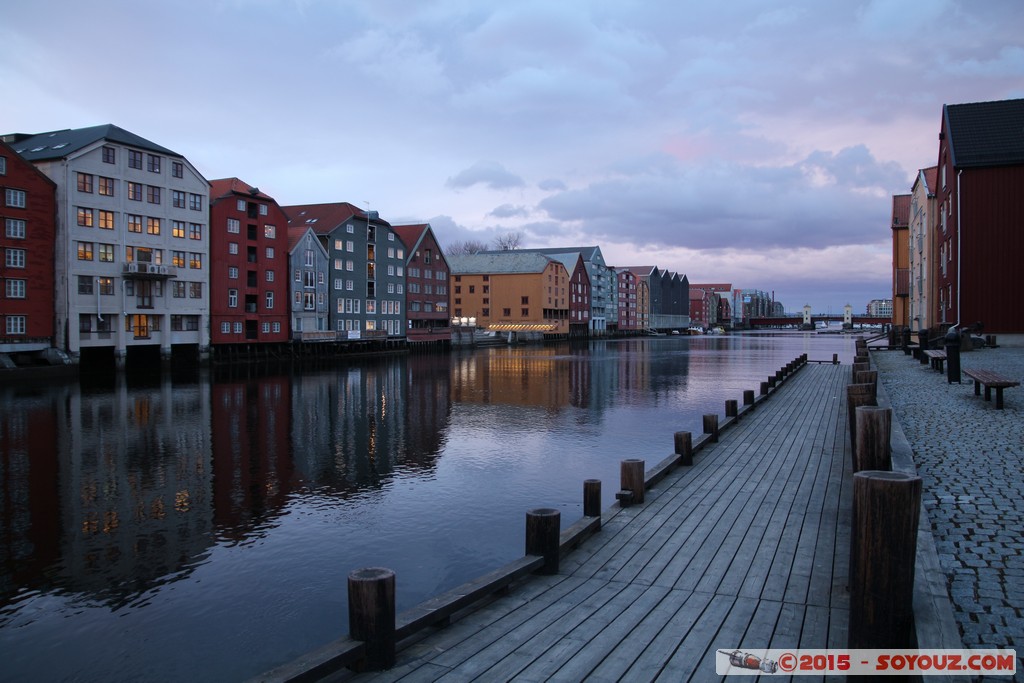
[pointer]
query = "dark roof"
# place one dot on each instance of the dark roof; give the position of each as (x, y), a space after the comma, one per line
(411, 234)
(985, 133)
(502, 262)
(60, 144)
(324, 218)
(224, 187)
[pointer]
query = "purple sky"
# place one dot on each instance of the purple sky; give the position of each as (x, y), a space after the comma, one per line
(746, 142)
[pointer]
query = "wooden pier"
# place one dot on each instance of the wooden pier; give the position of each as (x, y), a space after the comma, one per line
(747, 548)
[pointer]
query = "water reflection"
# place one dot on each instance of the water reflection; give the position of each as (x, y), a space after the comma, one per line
(146, 517)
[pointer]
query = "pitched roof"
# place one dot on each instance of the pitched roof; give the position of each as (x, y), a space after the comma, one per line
(589, 254)
(324, 218)
(59, 144)
(985, 133)
(900, 210)
(502, 262)
(931, 178)
(411, 234)
(228, 186)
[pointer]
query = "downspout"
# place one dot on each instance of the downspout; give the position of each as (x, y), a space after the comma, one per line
(959, 232)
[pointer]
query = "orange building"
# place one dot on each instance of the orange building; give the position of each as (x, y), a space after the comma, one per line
(900, 260)
(514, 291)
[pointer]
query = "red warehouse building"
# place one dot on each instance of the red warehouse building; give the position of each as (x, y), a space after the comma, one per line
(249, 283)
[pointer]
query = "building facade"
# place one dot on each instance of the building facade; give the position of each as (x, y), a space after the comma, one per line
(603, 285)
(125, 207)
(978, 237)
(900, 222)
(28, 214)
(249, 276)
(511, 291)
(921, 284)
(630, 317)
(310, 268)
(426, 285)
(668, 297)
(367, 269)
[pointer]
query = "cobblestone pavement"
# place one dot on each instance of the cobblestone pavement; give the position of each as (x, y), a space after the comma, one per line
(970, 457)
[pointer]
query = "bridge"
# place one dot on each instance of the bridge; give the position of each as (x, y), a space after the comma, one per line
(798, 320)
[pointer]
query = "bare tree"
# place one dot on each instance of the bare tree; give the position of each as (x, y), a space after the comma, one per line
(467, 247)
(509, 241)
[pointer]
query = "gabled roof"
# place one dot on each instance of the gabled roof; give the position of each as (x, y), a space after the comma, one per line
(224, 187)
(411, 235)
(59, 144)
(985, 133)
(23, 163)
(502, 262)
(297, 234)
(589, 254)
(324, 218)
(931, 178)
(900, 211)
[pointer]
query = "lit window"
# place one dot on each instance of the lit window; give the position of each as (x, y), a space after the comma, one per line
(134, 223)
(195, 231)
(85, 217)
(84, 251)
(153, 226)
(135, 191)
(85, 182)
(195, 260)
(178, 229)
(107, 220)
(106, 187)
(269, 231)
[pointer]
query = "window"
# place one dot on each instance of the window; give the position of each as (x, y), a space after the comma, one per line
(177, 169)
(526, 312)
(507, 312)
(106, 285)
(232, 272)
(85, 182)
(134, 223)
(277, 327)
(153, 163)
(109, 155)
(195, 260)
(195, 201)
(266, 328)
(232, 298)
(15, 289)
(106, 252)
(269, 231)
(106, 187)
(107, 220)
(238, 328)
(270, 276)
(152, 226)
(85, 251)
(134, 159)
(85, 217)
(240, 205)
(178, 199)
(270, 300)
(178, 259)
(15, 229)
(232, 247)
(263, 209)
(15, 198)
(233, 225)
(525, 301)
(350, 229)
(270, 252)
(15, 324)
(135, 191)
(3, 165)
(195, 290)
(152, 194)
(225, 328)
(85, 284)
(195, 231)
(178, 229)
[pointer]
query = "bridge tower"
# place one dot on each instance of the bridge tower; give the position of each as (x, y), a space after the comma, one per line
(848, 316)
(807, 315)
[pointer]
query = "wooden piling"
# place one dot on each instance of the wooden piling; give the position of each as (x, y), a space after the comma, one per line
(731, 408)
(748, 397)
(857, 395)
(543, 526)
(764, 388)
(886, 508)
(371, 614)
(874, 439)
(592, 498)
(867, 377)
(684, 448)
(631, 475)
(711, 426)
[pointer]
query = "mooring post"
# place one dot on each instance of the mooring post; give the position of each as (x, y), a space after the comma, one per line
(684, 448)
(867, 377)
(371, 614)
(748, 397)
(631, 475)
(859, 367)
(764, 388)
(592, 498)
(771, 382)
(835, 359)
(857, 395)
(886, 507)
(542, 528)
(711, 426)
(732, 407)
(874, 434)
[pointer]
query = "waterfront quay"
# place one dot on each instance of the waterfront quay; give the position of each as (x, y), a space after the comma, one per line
(969, 456)
(746, 549)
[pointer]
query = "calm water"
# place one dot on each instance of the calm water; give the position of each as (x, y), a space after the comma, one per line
(202, 529)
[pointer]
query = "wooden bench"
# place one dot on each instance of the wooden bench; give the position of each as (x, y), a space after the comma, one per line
(936, 358)
(991, 381)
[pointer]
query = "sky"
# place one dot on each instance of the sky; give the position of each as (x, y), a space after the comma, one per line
(750, 142)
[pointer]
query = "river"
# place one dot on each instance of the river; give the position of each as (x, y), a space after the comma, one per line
(202, 527)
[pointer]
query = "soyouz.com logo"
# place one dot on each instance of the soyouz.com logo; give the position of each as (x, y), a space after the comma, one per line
(752, 662)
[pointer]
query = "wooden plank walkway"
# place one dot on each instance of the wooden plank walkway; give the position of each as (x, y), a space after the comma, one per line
(746, 549)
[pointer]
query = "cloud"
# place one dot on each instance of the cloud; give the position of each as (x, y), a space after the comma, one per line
(509, 211)
(551, 185)
(488, 173)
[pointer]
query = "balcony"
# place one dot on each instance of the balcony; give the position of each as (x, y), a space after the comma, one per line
(150, 271)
